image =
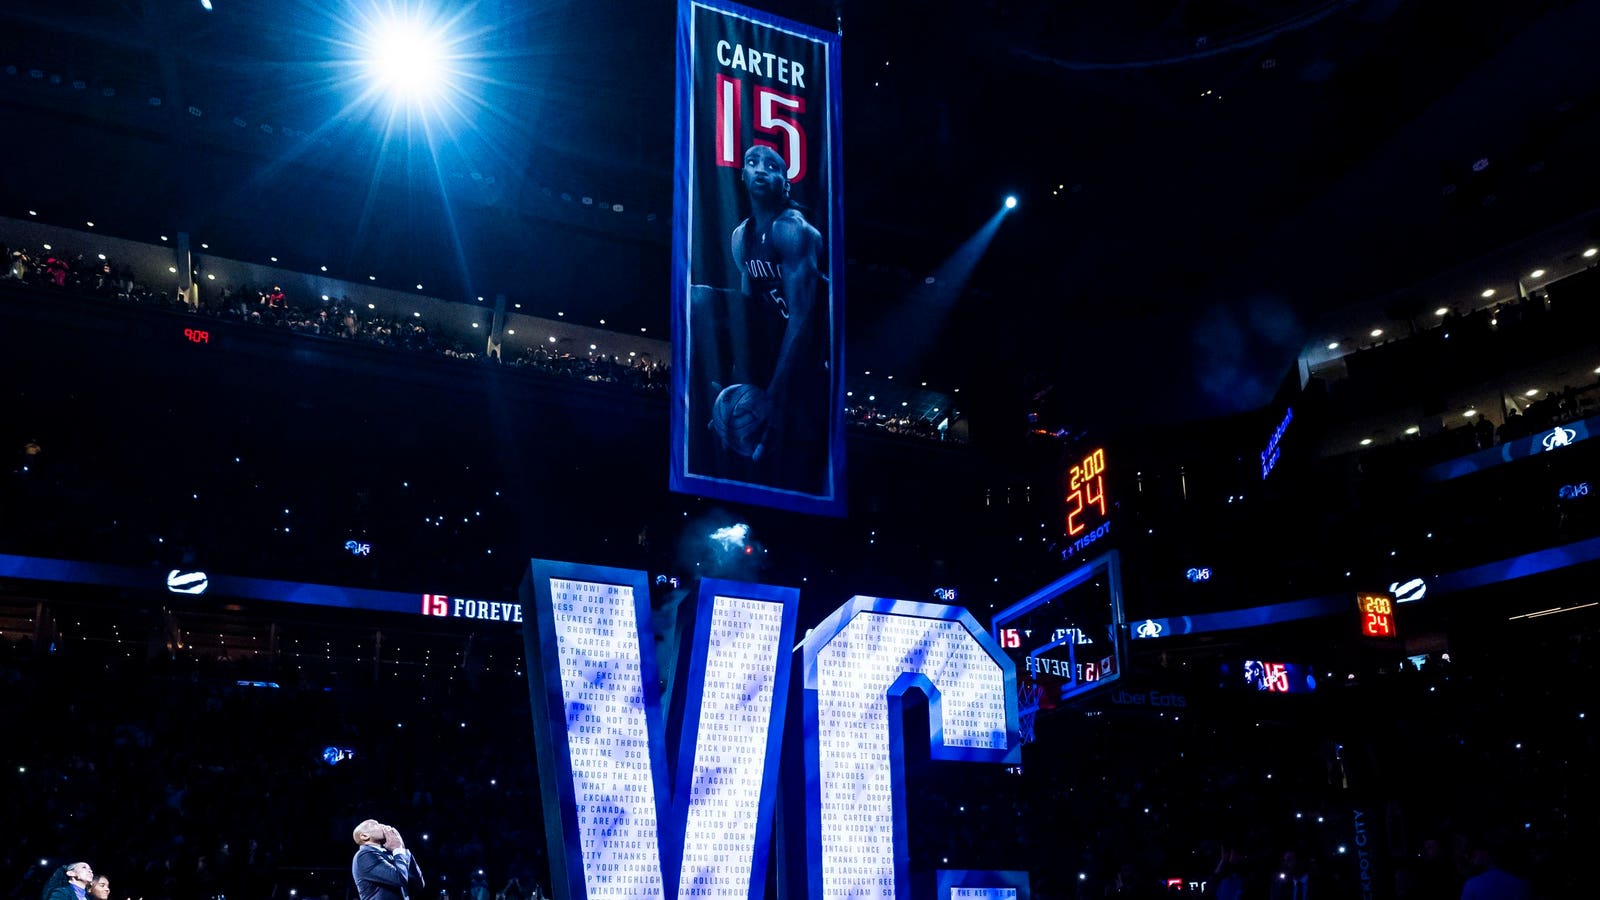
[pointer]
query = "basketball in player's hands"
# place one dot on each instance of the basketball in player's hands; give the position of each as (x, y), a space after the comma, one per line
(739, 417)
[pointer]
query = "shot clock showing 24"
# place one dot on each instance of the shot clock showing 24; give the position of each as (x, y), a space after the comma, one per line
(1086, 508)
(1377, 615)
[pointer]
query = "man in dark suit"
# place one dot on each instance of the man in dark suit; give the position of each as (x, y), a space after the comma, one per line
(69, 882)
(383, 868)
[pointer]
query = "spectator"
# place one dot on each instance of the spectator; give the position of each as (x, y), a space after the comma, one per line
(70, 882)
(1486, 880)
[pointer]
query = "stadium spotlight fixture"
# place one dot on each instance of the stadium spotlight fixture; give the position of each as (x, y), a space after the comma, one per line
(408, 57)
(1011, 202)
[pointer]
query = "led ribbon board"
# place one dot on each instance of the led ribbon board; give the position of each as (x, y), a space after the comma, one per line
(859, 665)
(615, 831)
(959, 884)
(1553, 438)
(234, 587)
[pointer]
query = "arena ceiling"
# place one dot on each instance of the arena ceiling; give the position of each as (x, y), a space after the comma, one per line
(1198, 180)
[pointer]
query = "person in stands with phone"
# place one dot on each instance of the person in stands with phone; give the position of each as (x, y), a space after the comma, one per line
(383, 868)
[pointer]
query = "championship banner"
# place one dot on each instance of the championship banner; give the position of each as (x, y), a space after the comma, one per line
(757, 319)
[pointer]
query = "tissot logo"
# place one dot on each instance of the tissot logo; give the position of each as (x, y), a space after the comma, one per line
(1148, 629)
(1559, 437)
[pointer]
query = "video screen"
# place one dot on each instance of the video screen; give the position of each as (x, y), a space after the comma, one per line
(1278, 677)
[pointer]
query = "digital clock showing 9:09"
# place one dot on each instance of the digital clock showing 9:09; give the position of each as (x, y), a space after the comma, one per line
(1086, 493)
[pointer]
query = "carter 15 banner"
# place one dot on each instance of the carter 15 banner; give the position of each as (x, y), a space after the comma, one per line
(758, 328)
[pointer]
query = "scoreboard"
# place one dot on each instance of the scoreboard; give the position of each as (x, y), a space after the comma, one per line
(1068, 637)
(1377, 615)
(1085, 503)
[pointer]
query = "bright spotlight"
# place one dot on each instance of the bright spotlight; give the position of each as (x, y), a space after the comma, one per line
(1011, 202)
(410, 58)
(407, 60)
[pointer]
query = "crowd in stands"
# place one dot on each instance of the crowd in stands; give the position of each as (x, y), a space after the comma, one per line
(1481, 347)
(874, 419)
(1568, 404)
(639, 372)
(170, 777)
(339, 317)
(1456, 766)
(151, 761)
(161, 769)
(1561, 406)
(334, 317)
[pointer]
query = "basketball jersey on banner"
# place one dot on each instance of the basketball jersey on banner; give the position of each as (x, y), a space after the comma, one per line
(764, 269)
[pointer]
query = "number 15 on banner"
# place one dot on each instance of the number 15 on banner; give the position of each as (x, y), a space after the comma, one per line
(775, 114)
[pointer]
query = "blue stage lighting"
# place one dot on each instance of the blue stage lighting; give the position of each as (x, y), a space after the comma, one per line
(1011, 202)
(408, 59)
(205, 5)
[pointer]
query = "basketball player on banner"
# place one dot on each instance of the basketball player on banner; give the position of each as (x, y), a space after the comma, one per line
(761, 351)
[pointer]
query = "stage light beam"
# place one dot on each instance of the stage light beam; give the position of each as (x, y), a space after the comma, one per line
(1011, 202)
(407, 60)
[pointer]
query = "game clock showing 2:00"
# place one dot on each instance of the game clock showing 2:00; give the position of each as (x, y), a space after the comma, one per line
(1377, 615)
(1086, 506)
